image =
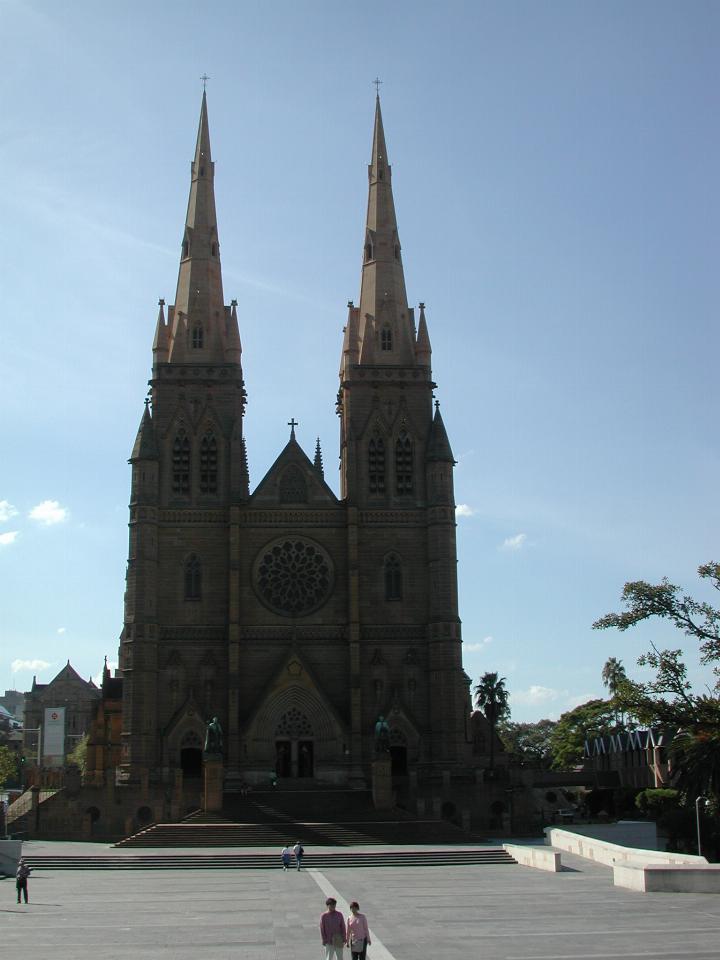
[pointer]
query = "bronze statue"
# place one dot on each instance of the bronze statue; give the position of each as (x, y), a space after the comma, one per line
(213, 737)
(382, 735)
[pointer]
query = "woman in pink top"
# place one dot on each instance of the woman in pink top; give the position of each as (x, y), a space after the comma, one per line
(358, 932)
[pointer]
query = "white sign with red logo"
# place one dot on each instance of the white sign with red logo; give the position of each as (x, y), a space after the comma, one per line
(54, 733)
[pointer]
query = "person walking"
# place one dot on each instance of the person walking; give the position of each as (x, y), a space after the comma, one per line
(332, 931)
(299, 852)
(358, 932)
(285, 856)
(21, 879)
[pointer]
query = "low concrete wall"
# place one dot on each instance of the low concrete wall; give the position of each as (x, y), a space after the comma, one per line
(10, 853)
(611, 853)
(542, 858)
(628, 833)
(668, 878)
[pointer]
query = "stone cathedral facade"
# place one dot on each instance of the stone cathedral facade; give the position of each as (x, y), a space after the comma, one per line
(295, 617)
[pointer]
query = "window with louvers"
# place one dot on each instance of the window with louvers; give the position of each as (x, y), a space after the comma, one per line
(208, 464)
(376, 465)
(181, 463)
(386, 338)
(393, 578)
(193, 579)
(404, 464)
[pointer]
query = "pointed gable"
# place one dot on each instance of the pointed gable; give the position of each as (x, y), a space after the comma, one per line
(293, 481)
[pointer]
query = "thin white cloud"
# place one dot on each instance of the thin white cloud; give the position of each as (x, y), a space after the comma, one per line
(18, 665)
(62, 630)
(49, 512)
(514, 543)
(536, 694)
(463, 510)
(577, 699)
(7, 538)
(474, 647)
(7, 510)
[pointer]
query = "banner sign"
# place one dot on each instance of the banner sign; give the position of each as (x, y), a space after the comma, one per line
(54, 732)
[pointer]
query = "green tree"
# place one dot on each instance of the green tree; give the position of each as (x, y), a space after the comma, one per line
(596, 718)
(491, 696)
(668, 700)
(665, 600)
(529, 742)
(8, 765)
(78, 757)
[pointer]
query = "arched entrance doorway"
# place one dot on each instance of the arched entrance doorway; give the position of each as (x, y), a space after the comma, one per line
(294, 745)
(191, 756)
(398, 753)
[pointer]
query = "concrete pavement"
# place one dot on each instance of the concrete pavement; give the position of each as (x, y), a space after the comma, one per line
(431, 913)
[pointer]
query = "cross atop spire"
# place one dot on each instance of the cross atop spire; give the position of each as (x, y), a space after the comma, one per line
(378, 83)
(204, 79)
(292, 423)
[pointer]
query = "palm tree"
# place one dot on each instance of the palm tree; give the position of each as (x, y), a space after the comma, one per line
(492, 698)
(613, 674)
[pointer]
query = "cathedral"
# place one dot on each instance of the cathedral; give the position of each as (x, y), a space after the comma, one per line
(299, 619)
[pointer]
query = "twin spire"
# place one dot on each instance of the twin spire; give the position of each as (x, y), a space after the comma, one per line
(200, 328)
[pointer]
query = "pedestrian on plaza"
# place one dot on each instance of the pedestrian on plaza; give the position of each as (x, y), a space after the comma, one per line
(299, 852)
(332, 931)
(358, 932)
(21, 879)
(285, 856)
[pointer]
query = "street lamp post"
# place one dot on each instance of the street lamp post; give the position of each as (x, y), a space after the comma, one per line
(697, 821)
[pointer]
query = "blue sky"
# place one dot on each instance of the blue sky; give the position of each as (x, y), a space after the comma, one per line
(555, 176)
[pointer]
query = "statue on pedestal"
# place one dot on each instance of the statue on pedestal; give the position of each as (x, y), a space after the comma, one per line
(213, 738)
(382, 735)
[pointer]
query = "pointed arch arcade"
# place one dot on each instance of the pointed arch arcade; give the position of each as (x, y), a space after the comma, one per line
(181, 462)
(404, 481)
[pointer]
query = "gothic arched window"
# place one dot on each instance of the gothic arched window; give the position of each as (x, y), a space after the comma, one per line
(368, 251)
(185, 249)
(208, 464)
(386, 338)
(376, 465)
(198, 336)
(404, 464)
(393, 578)
(193, 578)
(293, 488)
(181, 463)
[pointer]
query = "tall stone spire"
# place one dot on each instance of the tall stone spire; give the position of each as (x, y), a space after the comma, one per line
(201, 324)
(386, 326)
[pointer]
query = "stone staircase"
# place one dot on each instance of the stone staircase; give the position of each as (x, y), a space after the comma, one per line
(266, 861)
(274, 819)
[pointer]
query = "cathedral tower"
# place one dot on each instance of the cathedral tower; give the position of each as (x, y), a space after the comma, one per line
(397, 482)
(188, 466)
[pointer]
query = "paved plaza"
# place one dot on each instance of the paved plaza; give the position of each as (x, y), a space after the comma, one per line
(416, 913)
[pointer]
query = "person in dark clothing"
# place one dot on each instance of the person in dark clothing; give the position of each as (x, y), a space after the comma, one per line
(21, 879)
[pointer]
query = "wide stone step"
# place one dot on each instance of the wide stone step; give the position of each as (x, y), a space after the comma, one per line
(195, 833)
(265, 861)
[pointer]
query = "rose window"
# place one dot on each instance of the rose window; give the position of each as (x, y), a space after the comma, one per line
(293, 577)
